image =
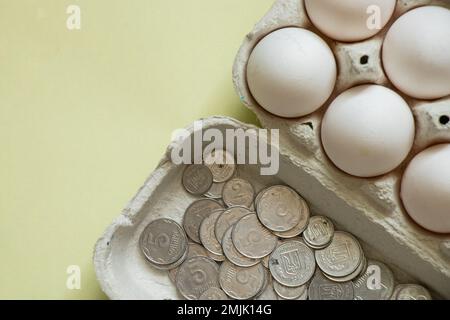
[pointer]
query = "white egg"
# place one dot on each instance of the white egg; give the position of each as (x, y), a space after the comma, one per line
(291, 72)
(350, 20)
(368, 131)
(425, 188)
(416, 53)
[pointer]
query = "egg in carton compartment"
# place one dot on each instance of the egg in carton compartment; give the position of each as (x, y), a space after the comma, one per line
(370, 208)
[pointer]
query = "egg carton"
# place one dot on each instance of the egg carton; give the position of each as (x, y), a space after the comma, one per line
(122, 270)
(370, 208)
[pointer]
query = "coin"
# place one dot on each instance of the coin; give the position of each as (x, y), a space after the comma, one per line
(193, 250)
(319, 232)
(197, 275)
(215, 192)
(252, 239)
(411, 292)
(241, 283)
(322, 288)
(207, 235)
(197, 179)
(163, 242)
(279, 208)
(195, 214)
(342, 257)
(214, 294)
(238, 192)
(292, 263)
(377, 283)
(301, 225)
(233, 254)
(221, 164)
(228, 218)
(289, 293)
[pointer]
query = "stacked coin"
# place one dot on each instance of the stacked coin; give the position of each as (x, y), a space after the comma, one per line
(262, 246)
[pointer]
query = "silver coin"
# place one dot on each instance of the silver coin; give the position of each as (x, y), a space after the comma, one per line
(319, 232)
(238, 192)
(301, 225)
(197, 275)
(292, 264)
(221, 164)
(195, 214)
(241, 283)
(232, 254)
(289, 293)
(362, 266)
(214, 294)
(193, 250)
(252, 239)
(342, 257)
(228, 218)
(280, 208)
(197, 179)
(163, 242)
(411, 292)
(207, 235)
(322, 288)
(215, 192)
(369, 287)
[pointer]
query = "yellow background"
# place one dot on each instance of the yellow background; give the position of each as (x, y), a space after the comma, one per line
(85, 116)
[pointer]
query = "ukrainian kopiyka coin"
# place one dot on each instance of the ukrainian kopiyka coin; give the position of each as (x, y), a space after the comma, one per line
(289, 293)
(228, 218)
(411, 292)
(292, 264)
(214, 294)
(197, 179)
(215, 192)
(280, 208)
(342, 257)
(207, 235)
(377, 283)
(301, 225)
(196, 275)
(252, 239)
(221, 164)
(233, 254)
(241, 283)
(238, 192)
(193, 250)
(195, 214)
(163, 242)
(322, 288)
(319, 232)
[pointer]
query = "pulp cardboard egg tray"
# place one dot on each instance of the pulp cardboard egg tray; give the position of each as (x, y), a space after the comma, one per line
(371, 209)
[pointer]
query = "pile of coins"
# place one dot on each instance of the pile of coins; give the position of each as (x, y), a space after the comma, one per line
(235, 244)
